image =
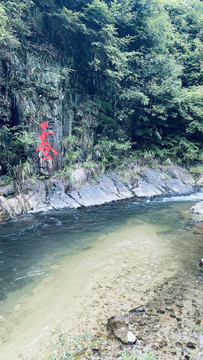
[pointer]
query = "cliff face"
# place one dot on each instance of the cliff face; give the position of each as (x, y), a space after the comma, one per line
(39, 93)
(104, 76)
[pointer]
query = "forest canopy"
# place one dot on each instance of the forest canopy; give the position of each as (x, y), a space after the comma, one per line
(137, 64)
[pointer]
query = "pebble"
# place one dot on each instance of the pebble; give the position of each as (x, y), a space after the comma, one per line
(160, 311)
(191, 344)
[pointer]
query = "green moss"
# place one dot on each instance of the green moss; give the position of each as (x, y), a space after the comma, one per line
(196, 170)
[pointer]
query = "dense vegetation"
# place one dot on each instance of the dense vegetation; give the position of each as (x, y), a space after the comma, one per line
(135, 63)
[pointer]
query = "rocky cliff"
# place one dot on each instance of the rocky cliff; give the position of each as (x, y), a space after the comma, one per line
(38, 92)
(88, 190)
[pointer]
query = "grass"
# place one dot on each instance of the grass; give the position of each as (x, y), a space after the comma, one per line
(145, 356)
(6, 180)
(196, 170)
(64, 347)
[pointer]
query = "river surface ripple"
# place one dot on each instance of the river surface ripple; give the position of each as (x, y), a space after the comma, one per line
(50, 261)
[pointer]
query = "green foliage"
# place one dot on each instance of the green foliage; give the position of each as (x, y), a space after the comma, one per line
(111, 152)
(6, 180)
(26, 139)
(134, 68)
(197, 170)
(145, 356)
(65, 347)
(24, 170)
(180, 148)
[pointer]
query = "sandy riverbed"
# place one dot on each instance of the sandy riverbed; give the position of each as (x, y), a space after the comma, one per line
(119, 272)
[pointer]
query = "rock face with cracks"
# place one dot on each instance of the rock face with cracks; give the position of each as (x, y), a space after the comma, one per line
(139, 182)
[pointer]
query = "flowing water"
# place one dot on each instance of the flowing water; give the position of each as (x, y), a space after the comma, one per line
(54, 265)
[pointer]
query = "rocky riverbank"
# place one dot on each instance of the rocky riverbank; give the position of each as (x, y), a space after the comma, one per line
(86, 188)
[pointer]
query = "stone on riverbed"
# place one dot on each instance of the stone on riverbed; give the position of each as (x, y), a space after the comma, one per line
(197, 210)
(119, 328)
(201, 262)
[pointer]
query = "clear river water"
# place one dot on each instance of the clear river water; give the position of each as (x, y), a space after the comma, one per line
(51, 262)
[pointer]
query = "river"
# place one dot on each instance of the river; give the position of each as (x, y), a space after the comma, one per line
(55, 266)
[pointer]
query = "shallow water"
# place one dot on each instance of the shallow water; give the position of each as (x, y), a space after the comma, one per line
(49, 261)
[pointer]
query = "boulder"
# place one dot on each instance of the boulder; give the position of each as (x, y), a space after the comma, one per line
(12, 206)
(43, 195)
(37, 197)
(145, 189)
(201, 262)
(7, 190)
(89, 195)
(177, 172)
(99, 193)
(123, 191)
(62, 185)
(199, 182)
(197, 210)
(120, 329)
(63, 201)
(79, 177)
(177, 186)
(69, 201)
(156, 177)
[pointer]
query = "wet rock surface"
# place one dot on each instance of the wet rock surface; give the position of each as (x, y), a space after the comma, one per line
(197, 211)
(120, 328)
(167, 325)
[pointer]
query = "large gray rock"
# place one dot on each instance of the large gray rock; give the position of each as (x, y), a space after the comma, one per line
(145, 189)
(178, 187)
(59, 186)
(12, 206)
(7, 190)
(156, 177)
(107, 183)
(199, 181)
(95, 194)
(120, 329)
(123, 191)
(63, 201)
(177, 172)
(36, 195)
(79, 177)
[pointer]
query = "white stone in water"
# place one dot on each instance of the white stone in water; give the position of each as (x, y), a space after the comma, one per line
(131, 337)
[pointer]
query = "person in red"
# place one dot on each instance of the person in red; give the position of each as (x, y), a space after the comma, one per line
(45, 146)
